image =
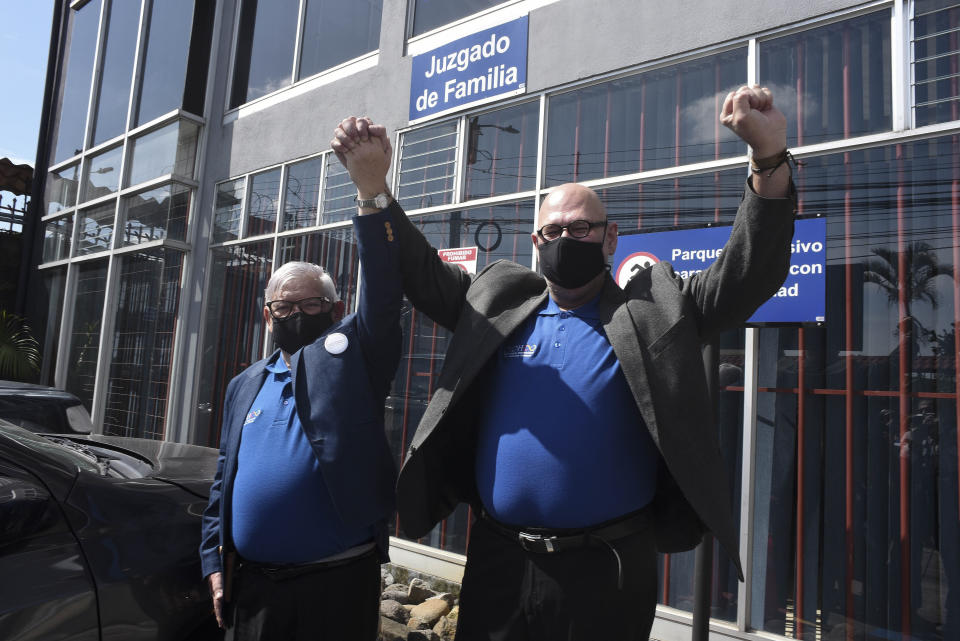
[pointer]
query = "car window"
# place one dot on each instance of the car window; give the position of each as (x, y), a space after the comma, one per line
(32, 413)
(48, 448)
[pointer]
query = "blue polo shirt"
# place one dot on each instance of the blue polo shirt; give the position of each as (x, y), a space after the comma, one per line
(281, 508)
(561, 443)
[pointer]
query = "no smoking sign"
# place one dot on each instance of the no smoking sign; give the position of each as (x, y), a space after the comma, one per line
(633, 264)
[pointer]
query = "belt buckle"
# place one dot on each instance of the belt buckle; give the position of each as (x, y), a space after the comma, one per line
(536, 542)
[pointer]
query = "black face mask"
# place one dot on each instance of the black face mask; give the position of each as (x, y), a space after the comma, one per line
(299, 329)
(571, 263)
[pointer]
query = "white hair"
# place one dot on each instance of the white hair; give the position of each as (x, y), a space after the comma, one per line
(296, 270)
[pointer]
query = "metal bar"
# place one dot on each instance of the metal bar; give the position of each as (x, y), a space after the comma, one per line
(801, 467)
(703, 557)
(606, 136)
(751, 350)
(576, 141)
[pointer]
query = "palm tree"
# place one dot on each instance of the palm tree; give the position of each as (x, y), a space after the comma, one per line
(19, 351)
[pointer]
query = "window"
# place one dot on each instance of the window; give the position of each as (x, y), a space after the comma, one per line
(842, 74)
(333, 32)
(85, 331)
(430, 14)
(102, 175)
(263, 204)
(302, 194)
(229, 210)
(333, 249)
(502, 151)
(156, 214)
(75, 77)
(936, 62)
(427, 167)
(169, 150)
(660, 118)
(119, 51)
(56, 238)
(338, 192)
(95, 233)
(61, 189)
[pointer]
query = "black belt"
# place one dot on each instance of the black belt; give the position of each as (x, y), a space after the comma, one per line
(278, 572)
(552, 541)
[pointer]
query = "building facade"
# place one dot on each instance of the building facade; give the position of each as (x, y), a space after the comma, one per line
(187, 155)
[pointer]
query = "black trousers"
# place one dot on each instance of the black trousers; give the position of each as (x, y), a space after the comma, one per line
(510, 594)
(327, 604)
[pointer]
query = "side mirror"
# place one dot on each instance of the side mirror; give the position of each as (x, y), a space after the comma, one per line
(24, 509)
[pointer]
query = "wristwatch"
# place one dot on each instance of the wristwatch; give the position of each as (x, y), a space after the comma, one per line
(380, 201)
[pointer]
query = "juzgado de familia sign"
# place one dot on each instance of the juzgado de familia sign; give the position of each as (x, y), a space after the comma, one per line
(481, 67)
(801, 299)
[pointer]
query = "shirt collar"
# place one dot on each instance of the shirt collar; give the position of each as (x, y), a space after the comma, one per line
(278, 367)
(589, 310)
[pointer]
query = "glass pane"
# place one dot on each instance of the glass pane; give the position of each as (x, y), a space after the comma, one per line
(335, 31)
(95, 231)
(56, 238)
(500, 232)
(165, 64)
(834, 81)
(430, 14)
(303, 193)
(229, 209)
(661, 118)
(502, 151)
(936, 62)
(46, 327)
(233, 327)
(333, 249)
(71, 104)
(427, 166)
(264, 200)
(170, 150)
(102, 175)
(857, 495)
(265, 42)
(156, 214)
(146, 316)
(339, 193)
(117, 75)
(85, 331)
(61, 189)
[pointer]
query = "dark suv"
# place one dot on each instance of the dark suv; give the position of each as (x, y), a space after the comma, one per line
(43, 409)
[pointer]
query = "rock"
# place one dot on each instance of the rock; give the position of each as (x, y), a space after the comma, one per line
(396, 593)
(390, 630)
(386, 578)
(426, 615)
(422, 635)
(395, 611)
(446, 628)
(418, 592)
(448, 598)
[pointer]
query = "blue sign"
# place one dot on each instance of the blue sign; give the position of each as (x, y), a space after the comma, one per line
(801, 299)
(477, 68)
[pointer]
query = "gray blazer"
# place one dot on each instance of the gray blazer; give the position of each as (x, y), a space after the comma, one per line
(656, 326)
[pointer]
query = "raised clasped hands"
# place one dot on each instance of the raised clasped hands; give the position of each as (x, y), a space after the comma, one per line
(750, 113)
(364, 149)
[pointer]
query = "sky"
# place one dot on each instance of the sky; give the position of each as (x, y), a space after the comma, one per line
(24, 43)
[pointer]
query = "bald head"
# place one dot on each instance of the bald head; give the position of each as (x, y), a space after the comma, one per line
(571, 198)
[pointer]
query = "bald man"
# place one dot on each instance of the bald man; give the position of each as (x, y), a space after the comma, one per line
(571, 414)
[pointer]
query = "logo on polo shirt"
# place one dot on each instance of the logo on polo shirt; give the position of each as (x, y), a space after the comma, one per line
(251, 417)
(519, 351)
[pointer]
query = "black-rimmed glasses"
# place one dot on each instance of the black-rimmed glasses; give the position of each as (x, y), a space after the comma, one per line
(281, 309)
(577, 229)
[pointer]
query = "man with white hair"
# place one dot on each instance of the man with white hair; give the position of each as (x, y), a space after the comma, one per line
(295, 530)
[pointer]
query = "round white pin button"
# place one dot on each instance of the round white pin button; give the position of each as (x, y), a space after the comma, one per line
(335, 343)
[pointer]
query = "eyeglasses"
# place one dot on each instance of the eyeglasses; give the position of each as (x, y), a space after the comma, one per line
(281, 309)
(577, 229)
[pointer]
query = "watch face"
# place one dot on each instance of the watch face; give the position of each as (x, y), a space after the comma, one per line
(381, 201)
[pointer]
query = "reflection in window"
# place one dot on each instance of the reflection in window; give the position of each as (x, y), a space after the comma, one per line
(156, 214)
(71, 106)
(333, 249)
(500, 232)
(338, 31)
(47, 322)
(84, 348)
(229, 209)
(339, 193)
(61, 190)
(660, 118)
(265, 43)
(427, 166)
(168, 41)
(233, 330)
(102, 175)
(303, 193)
(95, 229)
(936, 62)
(832, 82)
(147, 303)
(56, 238)
(121, 42)
(502, 151)
(264, 200)
(169, 150)
(877, 437)
(430, 14)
